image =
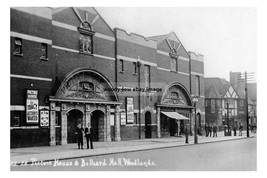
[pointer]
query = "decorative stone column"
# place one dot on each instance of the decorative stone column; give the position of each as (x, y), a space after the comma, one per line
(158, 122)
(117, 123)
(64, 132)
(105, 126)
(108, 123)
(87, 115)
(52, 124)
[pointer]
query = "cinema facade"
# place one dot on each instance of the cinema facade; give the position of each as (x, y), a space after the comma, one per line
(68, 67)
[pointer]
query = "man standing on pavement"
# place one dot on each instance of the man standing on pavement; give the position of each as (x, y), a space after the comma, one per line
(210, 130)
(89, 136)
(79, 135)
(214, 130)
(186, 133)
(240, 129)
(207, 129)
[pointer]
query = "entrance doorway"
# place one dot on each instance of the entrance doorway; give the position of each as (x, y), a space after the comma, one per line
(148, 125)
(74, 118)
(199, 120)
(97, 124)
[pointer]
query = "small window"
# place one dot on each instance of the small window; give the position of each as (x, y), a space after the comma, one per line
(174, 95)
(18, 46)
(174, 64)
(206, 103)
(212, 106)
(121, 66)
(219, 103)
(86, 44)
(147, 76)
(197, 85)
(135, 67)
(44, 51)
(241, 103)
(15, 120)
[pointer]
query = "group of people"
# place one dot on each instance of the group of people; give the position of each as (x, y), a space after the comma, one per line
(253, 128)
(209, 129)
(87, 133)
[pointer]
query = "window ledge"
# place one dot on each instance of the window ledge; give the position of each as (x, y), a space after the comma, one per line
(44, 58)
(89, 54)
(17, 54)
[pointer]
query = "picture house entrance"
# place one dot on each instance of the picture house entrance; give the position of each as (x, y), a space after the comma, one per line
(97, 124)
(74, 117)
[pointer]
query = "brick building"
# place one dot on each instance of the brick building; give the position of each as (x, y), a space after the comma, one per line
(68, 67)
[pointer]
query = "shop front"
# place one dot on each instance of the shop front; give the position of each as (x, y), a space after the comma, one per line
(174, 111)
(85, 97)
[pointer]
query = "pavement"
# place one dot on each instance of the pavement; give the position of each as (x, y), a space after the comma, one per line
(60, 152)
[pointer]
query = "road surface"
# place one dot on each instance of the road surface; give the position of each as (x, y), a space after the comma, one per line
(235, 155)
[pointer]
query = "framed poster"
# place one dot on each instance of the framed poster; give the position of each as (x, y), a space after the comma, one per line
(123, 118)
(44, 118)
(32, 107)
(130, 110)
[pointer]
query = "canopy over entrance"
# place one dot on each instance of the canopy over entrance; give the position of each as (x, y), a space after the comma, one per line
(175, 115)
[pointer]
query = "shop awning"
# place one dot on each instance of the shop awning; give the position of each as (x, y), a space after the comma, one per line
(175, 115)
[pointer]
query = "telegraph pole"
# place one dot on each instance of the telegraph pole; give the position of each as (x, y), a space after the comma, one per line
(246, 90)
(244, 78)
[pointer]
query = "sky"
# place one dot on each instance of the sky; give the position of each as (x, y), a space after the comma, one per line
(226, 36)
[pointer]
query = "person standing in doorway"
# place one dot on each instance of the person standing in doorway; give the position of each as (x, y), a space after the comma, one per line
(79, 134)
(87, 133)
(186, 133)
(210, 130)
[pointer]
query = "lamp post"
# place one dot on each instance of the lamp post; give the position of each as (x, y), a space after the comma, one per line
(195, 100)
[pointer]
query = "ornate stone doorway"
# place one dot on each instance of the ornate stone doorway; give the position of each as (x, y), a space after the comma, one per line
(97, 123)
(74, 118)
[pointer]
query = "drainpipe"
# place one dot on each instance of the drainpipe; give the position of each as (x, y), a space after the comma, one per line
(139, 95)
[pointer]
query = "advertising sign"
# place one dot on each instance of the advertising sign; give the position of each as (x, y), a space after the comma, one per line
(123, 118)
(44, 118)
(32, 106)
(130, 110)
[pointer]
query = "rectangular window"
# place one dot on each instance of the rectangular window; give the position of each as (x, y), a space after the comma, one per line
(230, 104)
(18, 46)
(197, 85)
(44, 51)
(241, 103)
(174, 64)
(219, 103)
(212, 106)
(206, 103)
(147, 76)
(121, 65)
(134, 67)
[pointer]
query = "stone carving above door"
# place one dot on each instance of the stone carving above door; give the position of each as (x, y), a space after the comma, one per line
(85, 85)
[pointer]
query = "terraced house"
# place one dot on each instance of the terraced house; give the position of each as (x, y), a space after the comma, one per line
(68, 67)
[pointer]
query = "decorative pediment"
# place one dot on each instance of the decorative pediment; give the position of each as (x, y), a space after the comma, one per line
(85, 85)
(174, 96)
(174, 44)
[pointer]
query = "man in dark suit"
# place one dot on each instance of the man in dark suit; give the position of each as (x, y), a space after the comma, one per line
(89, 136)
(79, 135)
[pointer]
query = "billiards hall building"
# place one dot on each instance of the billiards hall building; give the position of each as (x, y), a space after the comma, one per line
(68, 67)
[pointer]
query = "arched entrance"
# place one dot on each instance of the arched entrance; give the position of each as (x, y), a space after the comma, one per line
(147, 124)
(74, 118)
(97, 123)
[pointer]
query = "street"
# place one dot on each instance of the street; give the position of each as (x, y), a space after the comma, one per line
(234, 155)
